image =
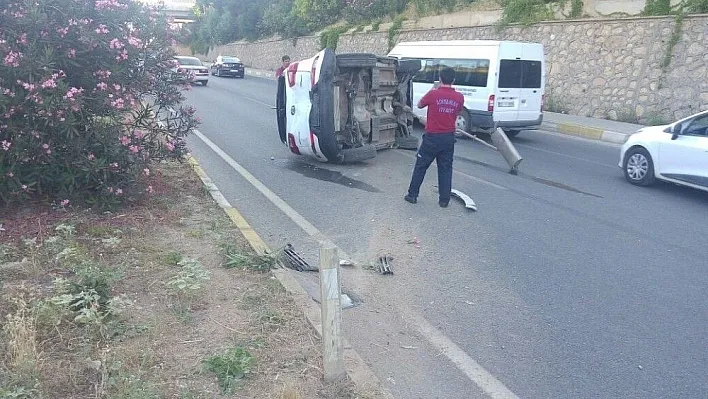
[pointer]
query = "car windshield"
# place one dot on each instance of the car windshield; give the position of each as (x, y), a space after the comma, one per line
(231, 59)
(189, 61)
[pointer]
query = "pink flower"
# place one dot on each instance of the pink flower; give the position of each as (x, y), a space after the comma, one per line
(12, 59)
(134, 41)
(150, 190)
(119, 191)
(117, 103)
(102, 86)
(10, 174)
(64, 203)
(125, 140)
(6, 145)
(45, 146)
(73, 92)
(49, 83)
(24, 187)
(115, 44)
(63, 31)
(134, 149)
(102, 29)
(71, 53)
(22, 39)
(138, 134)
(146, 172)
(91, 157)
(114, 165)
(170, 147)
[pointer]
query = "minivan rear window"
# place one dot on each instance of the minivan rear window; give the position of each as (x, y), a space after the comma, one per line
(468, 72)
(519, 74)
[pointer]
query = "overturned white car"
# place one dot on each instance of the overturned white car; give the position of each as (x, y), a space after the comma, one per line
(343, 108)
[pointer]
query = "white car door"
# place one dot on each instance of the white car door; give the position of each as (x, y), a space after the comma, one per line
(685, 158)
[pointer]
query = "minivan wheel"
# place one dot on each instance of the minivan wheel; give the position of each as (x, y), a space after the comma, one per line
(639, 167)
(462, 122)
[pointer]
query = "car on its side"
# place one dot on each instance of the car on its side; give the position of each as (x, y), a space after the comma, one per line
(343, 108)
(676, 153)
(227, 66)
(193, 66)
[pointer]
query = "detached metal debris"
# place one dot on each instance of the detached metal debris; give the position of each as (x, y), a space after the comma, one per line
(293, 260)
(384, 264)
(469, 203)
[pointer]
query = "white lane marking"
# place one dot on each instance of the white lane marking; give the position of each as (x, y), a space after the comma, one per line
(272, 197)
(463, 174)
(481, 377)
(258, 102)
(566, 155)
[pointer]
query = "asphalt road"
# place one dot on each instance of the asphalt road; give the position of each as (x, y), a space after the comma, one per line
(567, 283)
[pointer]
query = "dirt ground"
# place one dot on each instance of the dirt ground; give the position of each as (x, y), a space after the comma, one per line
(160, 299)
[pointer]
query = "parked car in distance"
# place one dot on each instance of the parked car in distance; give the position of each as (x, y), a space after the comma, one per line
(227, 66)
(193, 66)
(676, 153)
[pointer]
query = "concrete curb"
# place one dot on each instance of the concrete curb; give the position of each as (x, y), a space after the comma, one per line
(570, 129)
(357, 370)
(587, 132)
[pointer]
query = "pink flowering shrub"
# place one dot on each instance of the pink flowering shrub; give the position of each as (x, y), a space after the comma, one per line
(85, 86)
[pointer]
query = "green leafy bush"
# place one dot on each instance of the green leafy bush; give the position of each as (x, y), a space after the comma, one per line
(82, 82)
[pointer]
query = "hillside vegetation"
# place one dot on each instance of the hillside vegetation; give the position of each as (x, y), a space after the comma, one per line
(225, 21)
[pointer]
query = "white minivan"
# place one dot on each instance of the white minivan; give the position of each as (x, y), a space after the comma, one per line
(503, 81)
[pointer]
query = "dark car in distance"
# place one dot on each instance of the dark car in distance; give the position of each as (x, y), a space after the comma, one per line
(227, 66)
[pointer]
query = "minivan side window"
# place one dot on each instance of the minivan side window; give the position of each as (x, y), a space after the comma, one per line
(469, 72)
(428, 71)
(520, 74)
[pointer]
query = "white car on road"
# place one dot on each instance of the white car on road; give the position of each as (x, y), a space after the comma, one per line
(677, 153)
(193, 66)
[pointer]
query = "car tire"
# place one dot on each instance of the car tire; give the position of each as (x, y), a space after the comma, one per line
(353, 155)
(638, 167)
(463, 122)
(204, 82)
(512, 133)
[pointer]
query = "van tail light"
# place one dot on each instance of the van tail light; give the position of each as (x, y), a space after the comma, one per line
(292, 72)
(292, 144)
(490, 103)
(543, 102)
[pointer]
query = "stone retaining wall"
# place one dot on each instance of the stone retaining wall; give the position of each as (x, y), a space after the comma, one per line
(602, 68)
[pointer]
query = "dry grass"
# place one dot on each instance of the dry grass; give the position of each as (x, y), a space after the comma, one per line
(157, 345)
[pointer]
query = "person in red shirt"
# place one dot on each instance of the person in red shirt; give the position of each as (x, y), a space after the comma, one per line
(444, 104)
(281, 70)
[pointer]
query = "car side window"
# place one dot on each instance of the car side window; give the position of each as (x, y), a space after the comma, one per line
(698, 126)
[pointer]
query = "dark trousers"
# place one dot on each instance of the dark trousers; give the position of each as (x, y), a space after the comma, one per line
(441, 148)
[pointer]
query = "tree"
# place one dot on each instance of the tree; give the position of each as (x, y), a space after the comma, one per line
(83, 82)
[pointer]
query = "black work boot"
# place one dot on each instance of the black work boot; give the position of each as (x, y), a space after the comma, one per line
(443, 204)
(412, 200)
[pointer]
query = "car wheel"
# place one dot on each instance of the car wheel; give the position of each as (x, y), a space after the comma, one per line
(512, 133)
(462, 122)
(204, 82)
(639, 167)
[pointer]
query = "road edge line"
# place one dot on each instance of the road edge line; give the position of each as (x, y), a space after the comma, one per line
(358, 371)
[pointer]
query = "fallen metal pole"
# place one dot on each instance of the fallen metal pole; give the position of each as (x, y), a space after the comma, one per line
(475, 138)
